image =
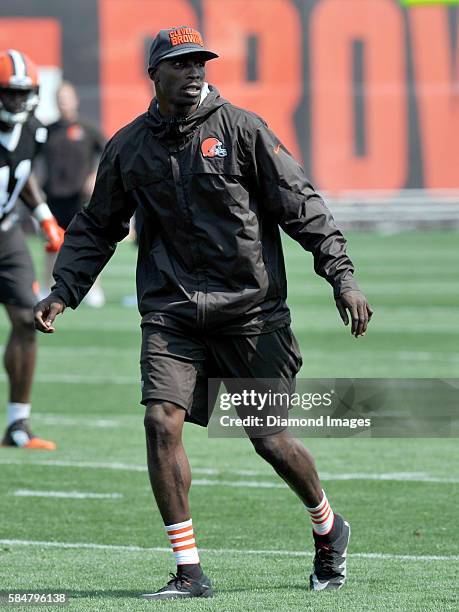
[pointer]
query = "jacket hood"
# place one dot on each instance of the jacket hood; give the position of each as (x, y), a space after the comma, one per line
(178, 129)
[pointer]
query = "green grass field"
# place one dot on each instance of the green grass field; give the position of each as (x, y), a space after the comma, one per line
(400, 495)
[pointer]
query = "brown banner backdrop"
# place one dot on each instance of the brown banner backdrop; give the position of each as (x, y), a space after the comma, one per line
(365, 92)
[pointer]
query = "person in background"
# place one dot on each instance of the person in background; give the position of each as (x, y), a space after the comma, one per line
(71, 156)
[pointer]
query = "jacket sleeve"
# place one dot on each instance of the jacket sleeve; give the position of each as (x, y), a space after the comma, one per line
(91, 237)
(300, 211)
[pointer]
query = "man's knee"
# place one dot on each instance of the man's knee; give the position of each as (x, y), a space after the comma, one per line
(163, 422)
(22, 322)
(271, 448)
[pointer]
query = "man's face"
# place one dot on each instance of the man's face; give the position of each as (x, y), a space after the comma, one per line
(179, 80)
(13, 100)
(67, 101)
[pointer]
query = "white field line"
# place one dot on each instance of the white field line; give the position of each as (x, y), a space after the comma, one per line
(426, 356)
(222, 551)
(264, 484)
(65, 494)
(238, 484)
(76, 379)
(129, 467)
(83, 379)
(387, 325)
(51, 419)
(84, 351)
(96, 351)
(95, 465)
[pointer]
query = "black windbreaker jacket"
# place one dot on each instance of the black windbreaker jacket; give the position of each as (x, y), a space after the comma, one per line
(212, 191)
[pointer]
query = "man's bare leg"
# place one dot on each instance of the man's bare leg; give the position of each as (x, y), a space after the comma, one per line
(294, 464)
(19, 360)
(168, 466)
(170, 478)
(20, 354)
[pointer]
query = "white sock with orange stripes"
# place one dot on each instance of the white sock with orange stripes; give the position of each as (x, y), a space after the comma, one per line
(183, 544)
(322, 517)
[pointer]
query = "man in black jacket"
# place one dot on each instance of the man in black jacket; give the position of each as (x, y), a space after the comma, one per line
(213, 184)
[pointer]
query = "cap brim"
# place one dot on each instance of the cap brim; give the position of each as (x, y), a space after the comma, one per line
(206, 55)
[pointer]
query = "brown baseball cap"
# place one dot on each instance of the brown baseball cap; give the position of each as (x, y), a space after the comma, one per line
(172, 42)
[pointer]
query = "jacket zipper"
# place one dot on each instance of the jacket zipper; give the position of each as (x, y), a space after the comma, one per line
(182, 201)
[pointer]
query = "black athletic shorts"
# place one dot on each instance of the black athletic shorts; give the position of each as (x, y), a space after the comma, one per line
(176, 366)
(17, 276)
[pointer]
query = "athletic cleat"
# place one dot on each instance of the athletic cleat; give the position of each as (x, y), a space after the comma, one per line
(330, 559)
(18, 434)
(182, 586)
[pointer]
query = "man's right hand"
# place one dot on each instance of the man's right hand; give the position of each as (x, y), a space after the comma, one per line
(54, 234)
(45, 312)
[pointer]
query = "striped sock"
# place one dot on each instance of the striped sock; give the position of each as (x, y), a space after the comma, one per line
(183, 544)
(322, 517)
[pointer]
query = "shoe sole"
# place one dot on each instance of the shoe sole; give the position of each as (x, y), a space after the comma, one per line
(333, 586)
(154, 597)
(39, 445)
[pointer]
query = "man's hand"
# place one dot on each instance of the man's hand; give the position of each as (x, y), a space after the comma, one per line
(54, 233)
(51, 229)
(45, 312)
(359, 309)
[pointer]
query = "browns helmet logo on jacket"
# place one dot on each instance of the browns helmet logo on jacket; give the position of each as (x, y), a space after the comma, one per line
(212, 147)
(75, 132)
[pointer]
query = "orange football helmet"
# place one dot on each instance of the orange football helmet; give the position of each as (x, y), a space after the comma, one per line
(18, 87)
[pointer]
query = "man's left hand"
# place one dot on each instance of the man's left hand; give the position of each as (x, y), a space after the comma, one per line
(359, 310)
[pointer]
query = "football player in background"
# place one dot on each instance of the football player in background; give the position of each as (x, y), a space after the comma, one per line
(21, 136)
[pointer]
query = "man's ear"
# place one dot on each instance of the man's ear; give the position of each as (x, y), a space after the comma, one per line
(152, 73)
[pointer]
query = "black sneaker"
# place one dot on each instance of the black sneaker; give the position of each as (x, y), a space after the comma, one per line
(182, 586)
(330, 558)
(18, 434)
